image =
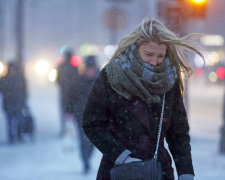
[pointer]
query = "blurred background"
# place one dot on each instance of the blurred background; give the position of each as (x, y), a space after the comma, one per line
(34, 34)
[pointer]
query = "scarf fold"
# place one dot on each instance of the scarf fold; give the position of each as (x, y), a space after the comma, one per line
(131, 76)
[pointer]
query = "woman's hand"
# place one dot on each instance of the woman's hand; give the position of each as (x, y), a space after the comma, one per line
(130, 159)
(124, 157)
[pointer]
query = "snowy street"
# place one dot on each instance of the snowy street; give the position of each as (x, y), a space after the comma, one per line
(147, 47)
(52, 158)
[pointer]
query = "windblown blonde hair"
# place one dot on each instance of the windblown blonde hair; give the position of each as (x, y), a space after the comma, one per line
(178, 48)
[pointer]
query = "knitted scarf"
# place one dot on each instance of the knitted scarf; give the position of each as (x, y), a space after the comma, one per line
(130, 76)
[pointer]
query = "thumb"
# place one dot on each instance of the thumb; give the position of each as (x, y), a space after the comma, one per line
(130, 159)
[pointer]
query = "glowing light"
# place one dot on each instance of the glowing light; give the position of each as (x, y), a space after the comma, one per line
(212, 40)
(2, 67)
(109, 50)
(76, 61)
(199, 71)
(52, 75)
(198, 1)
(89, 49)
(216, 56)
(86, 49)
(42, 67)
(213, 58)
(199, 62)
(220, 72)
(212, 77)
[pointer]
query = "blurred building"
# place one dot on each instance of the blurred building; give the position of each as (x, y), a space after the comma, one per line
(50, 25)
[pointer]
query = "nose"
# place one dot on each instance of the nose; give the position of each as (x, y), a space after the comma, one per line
(153, 61)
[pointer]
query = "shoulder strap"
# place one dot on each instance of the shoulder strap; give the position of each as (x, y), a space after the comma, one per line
(160, 128)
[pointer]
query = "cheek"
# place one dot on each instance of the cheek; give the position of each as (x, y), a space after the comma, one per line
(145, 58)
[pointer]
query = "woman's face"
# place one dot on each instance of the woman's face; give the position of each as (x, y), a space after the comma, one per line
(152, 53)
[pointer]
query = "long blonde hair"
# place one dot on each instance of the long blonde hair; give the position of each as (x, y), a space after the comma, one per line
(178, 48)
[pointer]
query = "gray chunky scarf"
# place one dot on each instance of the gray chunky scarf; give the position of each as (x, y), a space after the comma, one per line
(131, 76)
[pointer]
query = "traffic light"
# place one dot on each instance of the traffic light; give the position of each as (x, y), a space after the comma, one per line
(187, 9)
(197, 8)
(198, 1)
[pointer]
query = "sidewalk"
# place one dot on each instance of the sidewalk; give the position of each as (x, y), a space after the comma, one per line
(208, 163)
(47, 160)
(205, 117)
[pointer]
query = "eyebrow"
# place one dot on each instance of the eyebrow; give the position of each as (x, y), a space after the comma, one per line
(147, 52)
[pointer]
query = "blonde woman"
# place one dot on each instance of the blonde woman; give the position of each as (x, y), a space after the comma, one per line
(122, 115)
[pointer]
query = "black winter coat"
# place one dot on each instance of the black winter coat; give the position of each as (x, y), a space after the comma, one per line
(67, 80)
(14, 92)
(114, 124)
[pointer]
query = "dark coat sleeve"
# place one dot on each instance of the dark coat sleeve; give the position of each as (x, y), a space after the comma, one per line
(96, 121)
(178, 137)
(59, 78)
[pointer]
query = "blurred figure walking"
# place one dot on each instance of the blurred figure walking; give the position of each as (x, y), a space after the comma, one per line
(66, 79)
(14, 93)
(81, 92)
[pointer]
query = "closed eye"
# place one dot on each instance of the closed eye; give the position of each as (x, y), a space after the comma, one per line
(161, 56)
(149, 54)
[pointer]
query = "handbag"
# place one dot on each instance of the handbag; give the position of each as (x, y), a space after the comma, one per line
(27, 121)
(141, 170)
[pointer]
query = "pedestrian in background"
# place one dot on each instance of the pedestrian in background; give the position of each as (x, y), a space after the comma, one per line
(137, 101)
(81, 92)
(14, 93)
(66, 79)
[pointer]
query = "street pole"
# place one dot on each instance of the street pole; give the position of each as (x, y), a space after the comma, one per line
(2, 28)
(19, 22)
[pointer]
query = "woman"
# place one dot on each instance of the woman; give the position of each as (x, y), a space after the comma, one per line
(123, 110)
